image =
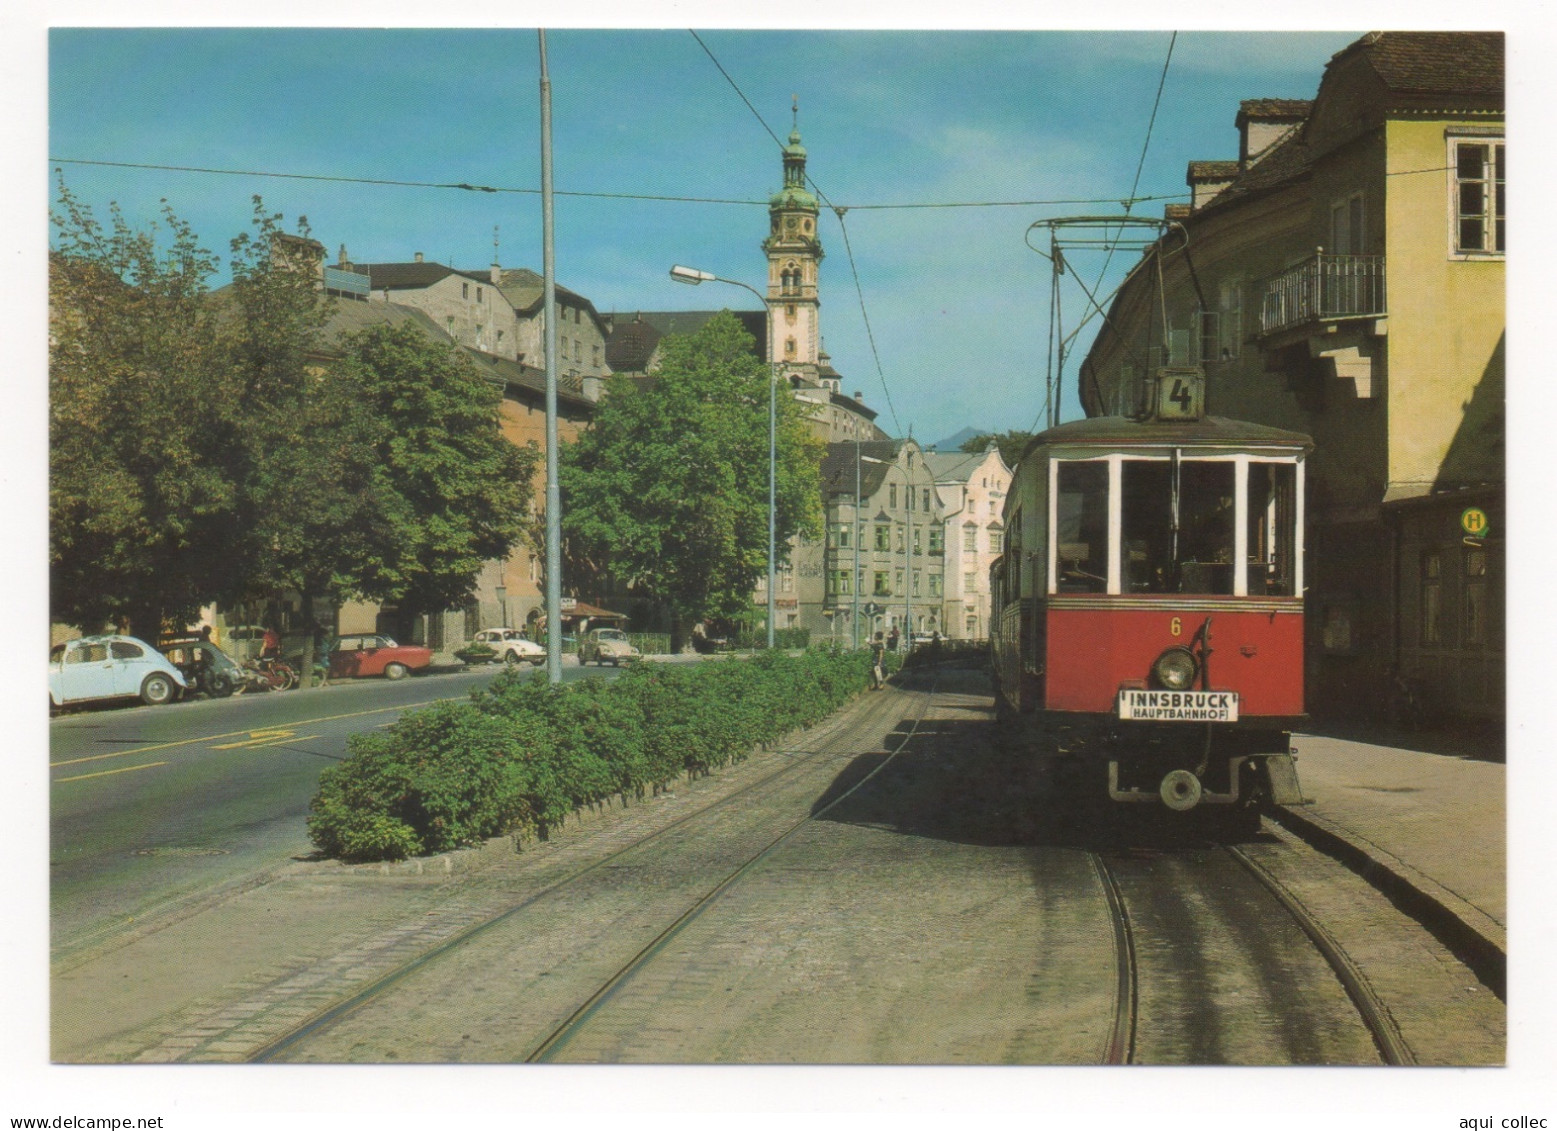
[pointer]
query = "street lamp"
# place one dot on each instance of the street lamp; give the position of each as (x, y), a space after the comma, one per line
(692, 277)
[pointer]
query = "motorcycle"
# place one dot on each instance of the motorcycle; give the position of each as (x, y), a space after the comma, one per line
(268, 674)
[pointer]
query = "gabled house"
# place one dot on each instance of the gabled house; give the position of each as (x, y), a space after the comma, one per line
(972, 487)
(1347, 280)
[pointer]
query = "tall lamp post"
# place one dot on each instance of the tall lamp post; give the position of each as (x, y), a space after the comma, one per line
(692, 277)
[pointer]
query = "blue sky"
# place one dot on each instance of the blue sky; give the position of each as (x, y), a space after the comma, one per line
(956, 302)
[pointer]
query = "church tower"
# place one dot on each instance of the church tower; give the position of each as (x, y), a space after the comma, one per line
(794, 252)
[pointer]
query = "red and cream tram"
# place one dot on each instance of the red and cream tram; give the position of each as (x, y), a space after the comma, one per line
(1149, 606)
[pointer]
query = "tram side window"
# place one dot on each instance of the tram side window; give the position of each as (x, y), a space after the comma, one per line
(1195, 555)
(1082, 527)
(1272, 526)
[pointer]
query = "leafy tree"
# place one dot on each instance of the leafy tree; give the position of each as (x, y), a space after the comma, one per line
(205, 446)
(461, 491)
(140, 496)
(1011, 444)
(668, 489)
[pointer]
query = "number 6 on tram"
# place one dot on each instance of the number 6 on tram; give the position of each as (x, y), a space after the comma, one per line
(1149, 605)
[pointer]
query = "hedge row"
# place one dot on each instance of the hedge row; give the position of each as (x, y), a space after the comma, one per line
(521, 755)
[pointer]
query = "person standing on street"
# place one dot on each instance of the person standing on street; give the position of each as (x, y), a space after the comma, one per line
(877, 677)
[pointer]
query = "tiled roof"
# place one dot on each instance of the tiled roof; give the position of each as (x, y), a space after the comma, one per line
(1284, 162)
(1212, 171)
(404, 276)
(953, 467)
(633, 340)
(518, 375)
(838, 466)
(348, 316)
(1275, 109)
(1433, 62)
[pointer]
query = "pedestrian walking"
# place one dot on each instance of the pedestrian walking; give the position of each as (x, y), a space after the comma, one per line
(892, 640)
(877, 676)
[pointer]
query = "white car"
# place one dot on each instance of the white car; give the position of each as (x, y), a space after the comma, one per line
(607, 646)
(111, 667)
(512, 646)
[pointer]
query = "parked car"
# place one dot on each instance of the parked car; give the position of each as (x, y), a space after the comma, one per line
(111, 667)
(372, 653)
(204, 666)
(244, 641)
(607, 646)
(511, 646)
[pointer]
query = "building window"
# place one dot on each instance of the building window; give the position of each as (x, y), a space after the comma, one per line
(924, 501)
(1346, 230)
(478, 294)
(578, 352)
(1475, 635)
(883, 536)
(900, 539)
(786, 580)
(840, 583)
(897, 578)
(892, 496)
(1478, 170)
(916, 583)
(1430, 619)
(970, 539)
(936, 584)
(997, 541)
(881, 589)
(918, 540)
(841, 535)
(937, 540)
(464, 290)
(597, 357)
(970, 581)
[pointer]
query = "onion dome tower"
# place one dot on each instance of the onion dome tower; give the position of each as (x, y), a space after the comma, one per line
(794, 253)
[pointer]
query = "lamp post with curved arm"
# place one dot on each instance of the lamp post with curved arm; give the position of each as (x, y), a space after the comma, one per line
(693, 277)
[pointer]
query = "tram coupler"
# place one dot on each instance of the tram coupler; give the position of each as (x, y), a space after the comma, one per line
(1274, 776)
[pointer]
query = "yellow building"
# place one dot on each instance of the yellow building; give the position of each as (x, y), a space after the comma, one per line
(1345, 278)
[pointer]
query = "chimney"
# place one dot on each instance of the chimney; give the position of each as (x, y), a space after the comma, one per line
(418, 257)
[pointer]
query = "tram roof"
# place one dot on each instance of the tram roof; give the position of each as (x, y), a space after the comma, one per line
(1207, 432)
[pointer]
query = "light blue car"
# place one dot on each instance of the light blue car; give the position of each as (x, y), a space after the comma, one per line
(111, 667)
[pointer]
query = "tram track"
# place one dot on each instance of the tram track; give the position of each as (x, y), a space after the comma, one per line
(834, 740)
(558, 1039)
(1209, 942)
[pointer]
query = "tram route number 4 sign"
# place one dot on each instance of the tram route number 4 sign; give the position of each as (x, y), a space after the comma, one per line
(1179, 706)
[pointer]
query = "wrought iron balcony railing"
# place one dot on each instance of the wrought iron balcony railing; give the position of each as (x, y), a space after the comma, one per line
(1326, 286)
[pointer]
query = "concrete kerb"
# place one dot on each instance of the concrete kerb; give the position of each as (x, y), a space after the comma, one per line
(1474, 936)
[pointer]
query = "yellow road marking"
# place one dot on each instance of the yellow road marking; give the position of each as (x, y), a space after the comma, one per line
(258, 738)
(237, 733)
(105, 773)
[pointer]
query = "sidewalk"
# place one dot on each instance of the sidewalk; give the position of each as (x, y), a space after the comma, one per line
(1434, 821)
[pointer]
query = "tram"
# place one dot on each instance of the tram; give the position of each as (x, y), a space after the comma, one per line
(1148, 610)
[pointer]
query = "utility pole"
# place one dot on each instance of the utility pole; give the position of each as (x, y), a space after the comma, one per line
(549, 305)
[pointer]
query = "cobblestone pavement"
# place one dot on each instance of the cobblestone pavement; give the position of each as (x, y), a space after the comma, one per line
(946, 911)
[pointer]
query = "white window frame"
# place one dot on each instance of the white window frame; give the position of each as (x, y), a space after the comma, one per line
(1494, 140)
(1115, 460)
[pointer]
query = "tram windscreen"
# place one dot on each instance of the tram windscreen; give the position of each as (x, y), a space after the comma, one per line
(1272, 528)
(1082, 528)
(1183, 544)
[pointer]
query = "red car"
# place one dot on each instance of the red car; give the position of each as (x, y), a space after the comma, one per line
(372, 653)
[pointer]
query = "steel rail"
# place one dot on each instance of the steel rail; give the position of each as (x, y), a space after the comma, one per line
(1120, 1048)
(564, 1033)
(323, 1020)
(1375, 1014)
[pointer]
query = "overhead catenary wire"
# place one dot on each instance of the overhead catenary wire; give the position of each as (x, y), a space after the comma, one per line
(462, 186)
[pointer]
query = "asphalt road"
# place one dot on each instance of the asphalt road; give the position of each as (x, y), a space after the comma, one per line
(151, 806)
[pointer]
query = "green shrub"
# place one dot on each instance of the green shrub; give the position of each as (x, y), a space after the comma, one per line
(521, 755)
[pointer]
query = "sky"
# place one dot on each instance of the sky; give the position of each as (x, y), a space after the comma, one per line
(939, 316)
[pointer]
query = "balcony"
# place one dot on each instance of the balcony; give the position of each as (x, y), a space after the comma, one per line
(1324, 288)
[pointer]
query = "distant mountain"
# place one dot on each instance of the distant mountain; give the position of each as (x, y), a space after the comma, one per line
(954, 442)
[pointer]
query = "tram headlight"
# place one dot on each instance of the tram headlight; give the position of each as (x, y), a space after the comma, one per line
(1175, 669)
